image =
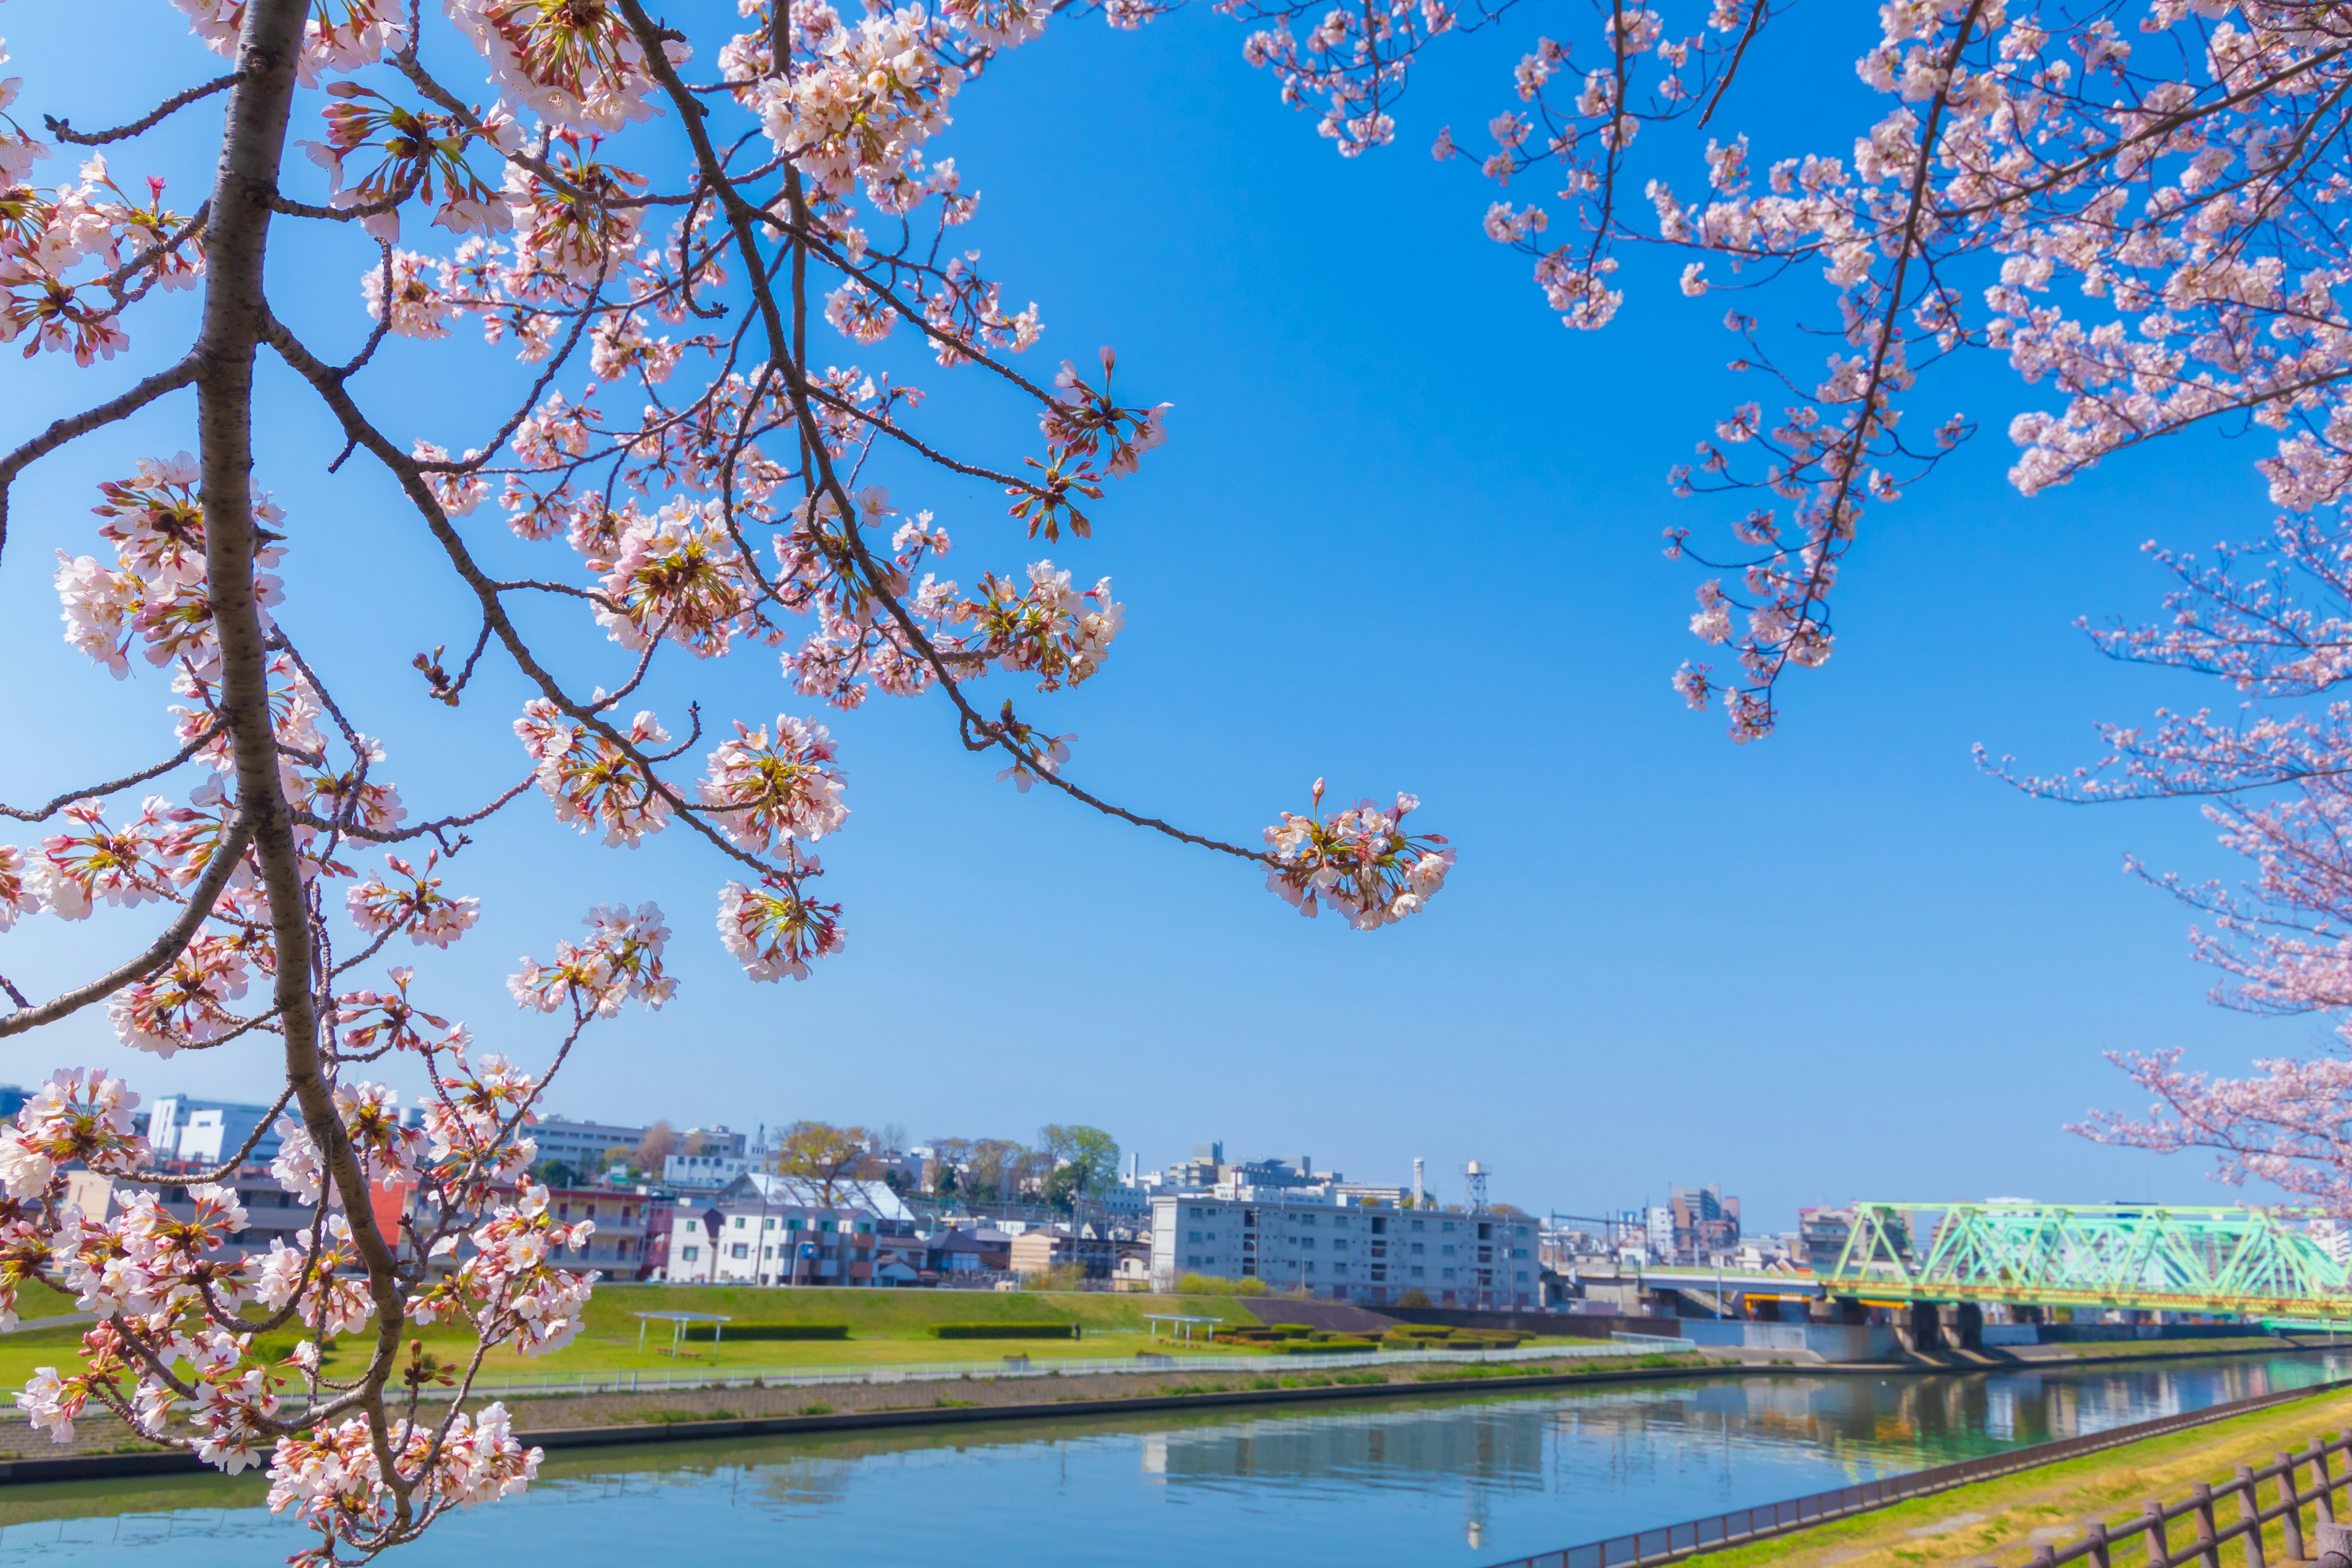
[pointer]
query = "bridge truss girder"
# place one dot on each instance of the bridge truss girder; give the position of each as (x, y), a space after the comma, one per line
(2150, 1258)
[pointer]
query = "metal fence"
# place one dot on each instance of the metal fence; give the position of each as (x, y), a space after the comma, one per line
(686, 1379)
(1672, 1543)
(642, 1380)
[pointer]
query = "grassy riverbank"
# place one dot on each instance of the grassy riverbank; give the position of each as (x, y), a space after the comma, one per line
(2002, 1521)
(885, 1327)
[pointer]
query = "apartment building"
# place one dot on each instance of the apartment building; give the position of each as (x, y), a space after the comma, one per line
(760, 1244)
(208, 1131)
(1349, 1252)
(624, 1221)
(583, 1146)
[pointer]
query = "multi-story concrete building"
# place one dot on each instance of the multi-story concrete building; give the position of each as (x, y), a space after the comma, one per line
(583, 1146)
(1355, 1252)
(208, 1131)
(755, 1243)
(623, 1217)
(704, 1172)
(1707, 1224)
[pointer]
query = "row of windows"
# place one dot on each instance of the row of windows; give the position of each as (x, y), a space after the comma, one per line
(794, 1221)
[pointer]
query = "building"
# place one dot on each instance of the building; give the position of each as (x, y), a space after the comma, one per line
(1036, 1250)
(763, 1244)
(583, 1146)
(701, 1173)
(208, 1131)
(1821, 1235)
(1707, 1224)
(1346, 1251)
(620, 1246)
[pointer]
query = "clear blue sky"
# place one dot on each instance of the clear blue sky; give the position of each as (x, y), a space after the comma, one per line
(1404, 534)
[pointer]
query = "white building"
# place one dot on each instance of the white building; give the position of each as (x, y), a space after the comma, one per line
(209, 1130)
(1354, 1252)
(701, 1173)
(582, 1144)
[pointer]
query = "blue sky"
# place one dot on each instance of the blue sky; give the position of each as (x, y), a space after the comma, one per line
(1404, 535)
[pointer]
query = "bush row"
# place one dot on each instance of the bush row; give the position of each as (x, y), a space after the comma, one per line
(1319, 1347)
(767, 1331)
(1004, 1331)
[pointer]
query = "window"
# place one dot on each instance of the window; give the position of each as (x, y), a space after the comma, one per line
(741, 1222)
(1310, 1268)
(1518, 1252)
(1523, 1275)
(1417, 1247)
(1446, 1224)
(1419, 1224)
(767, 1252)
(1447, 1249)
(740, 1250)
(767, 1225)
(1418, 1271)
(1194, 1237)
(1192, 1261)
(1446, 1273)
(691, 1253)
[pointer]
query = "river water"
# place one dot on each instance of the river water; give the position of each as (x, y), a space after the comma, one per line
(1461, 1481)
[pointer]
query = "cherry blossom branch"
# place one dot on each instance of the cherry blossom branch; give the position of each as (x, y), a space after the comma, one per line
(148, 389)
(166, 947)
(148, 121)
(113, 786)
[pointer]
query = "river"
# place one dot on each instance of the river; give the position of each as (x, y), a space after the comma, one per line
(1460, 1481)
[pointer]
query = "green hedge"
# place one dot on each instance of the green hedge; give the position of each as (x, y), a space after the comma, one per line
(768, 1331)
(1004, 1331)
(1318, 1347)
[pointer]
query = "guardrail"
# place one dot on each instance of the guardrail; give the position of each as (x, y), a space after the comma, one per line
(1673, 1542)
(681, 1380)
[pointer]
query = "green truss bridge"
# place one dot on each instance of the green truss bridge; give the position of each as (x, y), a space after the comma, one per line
(2241, 1262)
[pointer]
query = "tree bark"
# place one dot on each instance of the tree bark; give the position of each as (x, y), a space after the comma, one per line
(236, 314)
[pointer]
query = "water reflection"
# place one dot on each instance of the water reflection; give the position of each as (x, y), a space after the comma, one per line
(1463, 1481)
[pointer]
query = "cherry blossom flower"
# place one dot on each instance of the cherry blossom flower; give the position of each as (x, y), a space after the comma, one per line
(1359, 860)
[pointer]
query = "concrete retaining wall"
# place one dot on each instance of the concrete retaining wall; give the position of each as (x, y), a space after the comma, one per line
(1830, 1342)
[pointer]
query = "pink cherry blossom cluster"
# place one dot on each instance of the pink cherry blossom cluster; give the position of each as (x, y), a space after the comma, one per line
(1359, 860)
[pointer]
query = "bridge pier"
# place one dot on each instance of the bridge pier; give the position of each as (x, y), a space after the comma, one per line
(1848, 1310)
(1967, 1325)
(1925, 1325)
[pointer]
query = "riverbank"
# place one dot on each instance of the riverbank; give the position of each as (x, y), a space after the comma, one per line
(2004, 1520)
(103, 1446)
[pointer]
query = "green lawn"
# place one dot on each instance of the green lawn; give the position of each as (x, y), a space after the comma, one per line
(884, 1326)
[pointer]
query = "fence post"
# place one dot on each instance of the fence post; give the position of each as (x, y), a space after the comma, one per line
(2159, 1550)
(2094, 1531)
(2208, 1550)
(2327, 1484)
(2250, 1511)
(2291, 1495)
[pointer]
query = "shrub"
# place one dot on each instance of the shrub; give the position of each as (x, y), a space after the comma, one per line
(1317, 1347)
(703, 1331)
(1413, 1298)
(1004, 1331)
(1208, 1284)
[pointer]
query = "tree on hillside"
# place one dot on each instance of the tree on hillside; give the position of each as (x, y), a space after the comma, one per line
(660, 1142)
(1092, 1156)
(823, 1158)
(994, 1169)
